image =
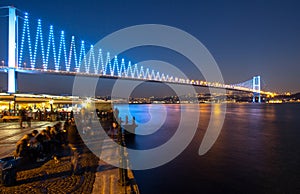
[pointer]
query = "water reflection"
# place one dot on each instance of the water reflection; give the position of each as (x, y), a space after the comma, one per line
(257, 151)
(149, 118)
(214, 128)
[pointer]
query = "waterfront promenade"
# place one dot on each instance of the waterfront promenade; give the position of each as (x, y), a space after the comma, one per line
(56, 177)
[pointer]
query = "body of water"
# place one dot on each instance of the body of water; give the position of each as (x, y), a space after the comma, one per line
(257, 150)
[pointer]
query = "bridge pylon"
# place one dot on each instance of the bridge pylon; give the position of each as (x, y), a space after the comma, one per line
(256, 89)
(12, 50)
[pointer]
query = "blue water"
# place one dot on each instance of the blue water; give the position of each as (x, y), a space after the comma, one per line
(257, 150)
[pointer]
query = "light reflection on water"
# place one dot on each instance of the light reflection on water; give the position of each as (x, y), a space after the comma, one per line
(256, 152)
(149, 118)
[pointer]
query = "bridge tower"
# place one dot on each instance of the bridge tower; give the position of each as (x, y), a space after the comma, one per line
(256, 88)
(12, 50)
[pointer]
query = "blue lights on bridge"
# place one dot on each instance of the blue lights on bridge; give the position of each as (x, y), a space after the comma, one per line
(92, 62)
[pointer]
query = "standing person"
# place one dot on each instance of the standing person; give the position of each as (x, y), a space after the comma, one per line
(72, 114)
(23, 117)
(113, 131)
(85, 121)
(29, 117)
(75, 144)
(116, 113)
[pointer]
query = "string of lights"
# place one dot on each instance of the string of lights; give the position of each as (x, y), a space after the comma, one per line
(87, 61)
(92, 62)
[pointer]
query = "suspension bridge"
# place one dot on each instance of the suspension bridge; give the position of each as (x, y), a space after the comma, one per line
(30, 52)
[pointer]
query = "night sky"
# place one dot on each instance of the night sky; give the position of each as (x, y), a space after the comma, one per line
(246, 38)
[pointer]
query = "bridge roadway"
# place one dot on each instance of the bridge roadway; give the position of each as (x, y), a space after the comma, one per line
(83, 74)
(51, 177)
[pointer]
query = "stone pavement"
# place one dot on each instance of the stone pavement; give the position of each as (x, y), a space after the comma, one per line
(106, 181)
(107, 176)
(52, 177)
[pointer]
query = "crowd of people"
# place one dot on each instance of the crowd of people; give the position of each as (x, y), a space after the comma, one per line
(28, 114)
(38, 146)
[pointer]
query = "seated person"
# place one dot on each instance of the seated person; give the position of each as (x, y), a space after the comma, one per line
(22, 148)
(44, 142)
(24, 145)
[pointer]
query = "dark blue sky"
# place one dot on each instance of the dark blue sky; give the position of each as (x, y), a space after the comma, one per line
(246, 38)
